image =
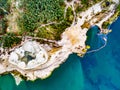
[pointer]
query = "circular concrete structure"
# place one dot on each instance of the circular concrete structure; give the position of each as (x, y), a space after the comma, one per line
(28, 56)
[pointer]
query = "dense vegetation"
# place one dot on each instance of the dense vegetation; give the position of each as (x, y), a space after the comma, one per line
(9, 40)
(5, 4)
(118, 9)
(4, 9)
(37, 12)
(54, 31)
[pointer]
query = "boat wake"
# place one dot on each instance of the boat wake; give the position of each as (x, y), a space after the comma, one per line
(104, 40)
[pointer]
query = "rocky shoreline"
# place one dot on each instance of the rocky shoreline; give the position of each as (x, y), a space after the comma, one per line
(42, 59)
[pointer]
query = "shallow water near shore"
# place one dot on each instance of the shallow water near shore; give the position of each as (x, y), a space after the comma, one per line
(68, 76)
(95, 71)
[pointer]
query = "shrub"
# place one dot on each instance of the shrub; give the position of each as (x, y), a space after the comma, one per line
(9, 40)
(37, 12)
(5, 4)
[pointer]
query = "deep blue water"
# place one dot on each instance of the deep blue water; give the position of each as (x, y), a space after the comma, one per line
(102, 69)
(95, 71)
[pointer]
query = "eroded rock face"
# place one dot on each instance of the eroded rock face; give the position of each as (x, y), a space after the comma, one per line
(28, 56)
(74, 38)
(34, 60)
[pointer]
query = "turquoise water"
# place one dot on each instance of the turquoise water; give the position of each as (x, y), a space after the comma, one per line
(68, 77)
(95, 71)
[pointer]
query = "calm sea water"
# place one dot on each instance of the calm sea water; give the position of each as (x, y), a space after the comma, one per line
(95, 71)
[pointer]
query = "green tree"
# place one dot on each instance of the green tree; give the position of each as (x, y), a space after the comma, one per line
(9, 40)
(37, 12)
